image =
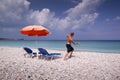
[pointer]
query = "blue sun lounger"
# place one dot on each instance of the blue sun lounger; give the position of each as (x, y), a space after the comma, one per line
(29, 52)
(45, 53)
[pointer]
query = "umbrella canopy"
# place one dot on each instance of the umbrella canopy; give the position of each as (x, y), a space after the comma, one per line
(35, 30)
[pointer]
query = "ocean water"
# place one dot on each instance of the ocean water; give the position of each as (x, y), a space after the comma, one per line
(106, 46)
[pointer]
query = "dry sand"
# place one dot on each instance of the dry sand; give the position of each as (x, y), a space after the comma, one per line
(83, 66)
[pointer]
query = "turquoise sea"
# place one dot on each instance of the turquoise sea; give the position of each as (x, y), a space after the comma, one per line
(106, 46)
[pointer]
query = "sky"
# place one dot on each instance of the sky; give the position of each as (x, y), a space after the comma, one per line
(89, 19)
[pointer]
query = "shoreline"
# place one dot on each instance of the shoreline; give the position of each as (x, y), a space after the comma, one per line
(65, 50)
(82, 66)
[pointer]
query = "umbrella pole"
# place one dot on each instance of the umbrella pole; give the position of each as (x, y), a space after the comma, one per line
(36, 42)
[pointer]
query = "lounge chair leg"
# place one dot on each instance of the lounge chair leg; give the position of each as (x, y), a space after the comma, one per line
(31, 56)
(52, 58)
(25, 55)
(39, 56)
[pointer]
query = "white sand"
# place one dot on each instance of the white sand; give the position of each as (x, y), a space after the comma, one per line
(83, 66)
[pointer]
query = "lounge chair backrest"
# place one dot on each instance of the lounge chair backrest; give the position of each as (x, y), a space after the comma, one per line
(28, 50)
(43, 51)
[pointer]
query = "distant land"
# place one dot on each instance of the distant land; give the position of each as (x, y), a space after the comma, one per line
(33, 39)
(9, 39)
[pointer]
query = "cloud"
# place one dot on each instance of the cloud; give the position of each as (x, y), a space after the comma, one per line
(40, 17)
(111, 20)
(75, 1)
(77, 17)
(7, 30)
(86, 6)
(117, 18)
(81, 15)
(12, 10)
(17, 12)
(12, 16)
(107, 20)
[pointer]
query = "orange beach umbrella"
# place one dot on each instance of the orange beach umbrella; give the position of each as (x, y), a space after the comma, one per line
(35, 30)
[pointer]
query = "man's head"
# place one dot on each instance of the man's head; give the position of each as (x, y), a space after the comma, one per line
(72, 33)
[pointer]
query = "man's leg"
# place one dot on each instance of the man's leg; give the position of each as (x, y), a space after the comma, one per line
(65, 57)
(71, 52)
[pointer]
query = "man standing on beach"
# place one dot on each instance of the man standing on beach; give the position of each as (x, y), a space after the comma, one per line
(70, 49)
